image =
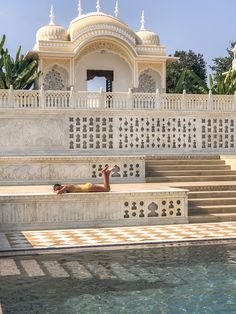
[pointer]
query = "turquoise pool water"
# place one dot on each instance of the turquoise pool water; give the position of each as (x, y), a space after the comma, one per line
(175, 280)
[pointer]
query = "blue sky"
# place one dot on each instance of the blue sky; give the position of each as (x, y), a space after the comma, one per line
(205, 26)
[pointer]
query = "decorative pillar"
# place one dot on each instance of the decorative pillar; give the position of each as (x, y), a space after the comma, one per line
(102, 103)
(135, 75)
(72, 72)
(183, 102)
(11, 98)
(210, 102)
(42, 97)
(130, 99)
(234, 104)
(72, 98)
(164, 77)
(158, 100)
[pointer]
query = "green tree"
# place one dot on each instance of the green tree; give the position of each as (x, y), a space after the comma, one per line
(187, 73)
(223, 64)
(20, 72)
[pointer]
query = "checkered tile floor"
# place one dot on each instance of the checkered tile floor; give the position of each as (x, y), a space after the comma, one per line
(117, 236)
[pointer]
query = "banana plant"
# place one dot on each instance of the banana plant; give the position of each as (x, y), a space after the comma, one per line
(183, 81)
(20, 72)
(225, 84)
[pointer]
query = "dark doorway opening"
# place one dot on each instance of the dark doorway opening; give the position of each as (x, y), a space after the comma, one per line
(108, 75)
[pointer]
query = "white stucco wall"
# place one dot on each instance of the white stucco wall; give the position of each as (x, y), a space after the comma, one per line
(104, 61)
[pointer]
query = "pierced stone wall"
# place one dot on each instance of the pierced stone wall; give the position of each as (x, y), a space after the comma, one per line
(115, 132)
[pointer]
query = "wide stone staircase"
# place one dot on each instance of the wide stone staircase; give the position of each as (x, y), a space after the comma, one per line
(212, 184)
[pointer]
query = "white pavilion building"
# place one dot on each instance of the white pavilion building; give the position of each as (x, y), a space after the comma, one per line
(65, 132)
(100, 45)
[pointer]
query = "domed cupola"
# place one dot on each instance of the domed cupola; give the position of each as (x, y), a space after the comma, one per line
(52, 31)
(146, 37)
(96, 21)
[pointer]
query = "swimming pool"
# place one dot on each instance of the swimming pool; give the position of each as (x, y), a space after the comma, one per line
(173, 280)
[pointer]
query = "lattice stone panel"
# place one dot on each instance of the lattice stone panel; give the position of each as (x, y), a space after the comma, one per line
(218, 133)
(145, 133)
(91, 133)
(53, 80)
(162, 133)
(162, 208)
(122, 170)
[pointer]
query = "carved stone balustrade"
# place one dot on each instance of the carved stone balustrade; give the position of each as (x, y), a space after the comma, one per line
(120, 100)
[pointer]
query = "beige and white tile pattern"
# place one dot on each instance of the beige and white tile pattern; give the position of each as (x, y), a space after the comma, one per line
(119, 236)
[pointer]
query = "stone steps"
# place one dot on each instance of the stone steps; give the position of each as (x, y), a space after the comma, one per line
(211, 194)
(212, 201)
(190, 173)
(185, 162)
(185, 178)
(212, 209)
(211, 183)
(200, 187)
(186, 167)
(183, 157)
(206, 218)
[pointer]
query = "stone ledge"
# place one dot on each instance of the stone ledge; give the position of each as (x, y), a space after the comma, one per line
(130, 208)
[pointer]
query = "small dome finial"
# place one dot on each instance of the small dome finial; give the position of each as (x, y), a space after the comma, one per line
(98, 6)
(52, 16)
(80, 10)
(117, 8)
(142, 21)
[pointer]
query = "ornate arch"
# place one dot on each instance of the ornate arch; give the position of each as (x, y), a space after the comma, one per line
(104, 30)
(111, 46)
(150, 66)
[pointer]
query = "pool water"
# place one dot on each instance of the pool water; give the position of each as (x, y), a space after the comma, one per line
(174, 280)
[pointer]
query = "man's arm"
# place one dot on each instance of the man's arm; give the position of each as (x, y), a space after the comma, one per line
(62, 190)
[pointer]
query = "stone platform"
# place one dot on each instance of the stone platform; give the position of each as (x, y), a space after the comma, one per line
(37, 207)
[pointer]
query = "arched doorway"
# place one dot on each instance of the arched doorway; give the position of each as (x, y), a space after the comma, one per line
(98, 76)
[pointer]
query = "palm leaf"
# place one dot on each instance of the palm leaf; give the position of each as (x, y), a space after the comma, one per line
(2, 42)
(179, 86)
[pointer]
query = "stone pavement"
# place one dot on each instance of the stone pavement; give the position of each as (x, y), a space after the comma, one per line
(118, 236)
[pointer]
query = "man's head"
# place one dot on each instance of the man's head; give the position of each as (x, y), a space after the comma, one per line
(57, 187)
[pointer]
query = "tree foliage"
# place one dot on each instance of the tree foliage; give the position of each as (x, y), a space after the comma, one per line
(188, 73)
(223, 64)
(20, 72)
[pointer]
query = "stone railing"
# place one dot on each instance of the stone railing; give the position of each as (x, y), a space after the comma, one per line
(41, 99)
